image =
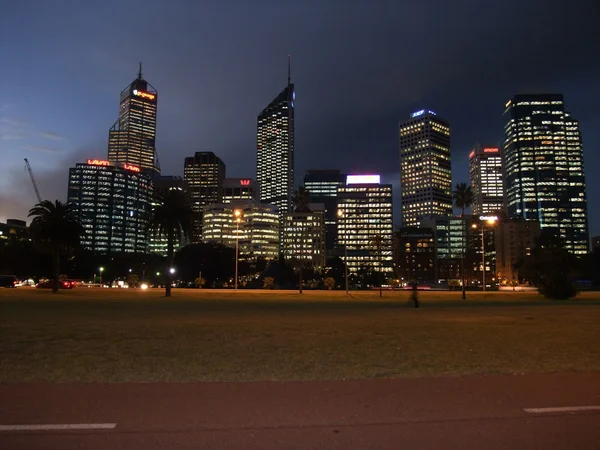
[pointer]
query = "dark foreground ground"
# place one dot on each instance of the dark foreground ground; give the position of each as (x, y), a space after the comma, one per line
(472, 412)
(110, 335)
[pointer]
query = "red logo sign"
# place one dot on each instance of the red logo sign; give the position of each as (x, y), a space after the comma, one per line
(245, 182)
(98, 162)
(490, 150)
(471, 154)
(130, 167)
(144, 94)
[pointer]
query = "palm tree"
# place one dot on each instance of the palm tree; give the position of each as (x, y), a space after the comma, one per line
(300, 199)
(56, 229)
(463, 198)
(174, 218)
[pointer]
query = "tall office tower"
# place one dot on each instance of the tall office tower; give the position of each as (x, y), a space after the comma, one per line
(275, 150)
(132, 138)
(257, 231)
(204, 173)
(425, 174)
(239, 189)
(543, 157)
(487, 180)
(364, 218)
(322, 188)
(113, 202)
(303, 239)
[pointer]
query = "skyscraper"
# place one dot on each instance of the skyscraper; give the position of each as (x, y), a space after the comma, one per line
(425, 171)
(204, 173)
(544, 173)
(487, 181)
(322, 188)
(365, 223)
(275, 150)
(132, 138)
(239, 189)
(112, 202)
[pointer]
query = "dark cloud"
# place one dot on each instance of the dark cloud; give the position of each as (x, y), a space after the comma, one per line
(51, 136)
(360, 67)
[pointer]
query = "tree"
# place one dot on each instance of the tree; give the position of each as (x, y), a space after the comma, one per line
(463, 198)
(133, 280)
(56, 229)
(199, 282)
(549, 267)
(301, 199)
(269, 282)
(329, 283)
(174, 218)
(215, 261)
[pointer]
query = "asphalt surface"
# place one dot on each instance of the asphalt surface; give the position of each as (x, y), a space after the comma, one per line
(475, 412)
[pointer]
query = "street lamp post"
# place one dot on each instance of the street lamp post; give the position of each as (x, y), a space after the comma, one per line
(341, 214)
(101, 270)
(491, 221)
(237, 215)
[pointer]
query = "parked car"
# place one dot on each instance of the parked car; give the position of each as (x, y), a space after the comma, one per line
(49, 284)
(8, 281)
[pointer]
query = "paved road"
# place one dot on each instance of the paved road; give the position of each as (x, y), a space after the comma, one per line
(429, 413)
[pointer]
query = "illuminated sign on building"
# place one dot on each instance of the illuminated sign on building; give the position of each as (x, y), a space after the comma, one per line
(363, 179)
(144, 94)
(98, 162)
(420, 113)
(471, 154)
(245, 182)
(489, 218)
(130, 167)
(490, 150)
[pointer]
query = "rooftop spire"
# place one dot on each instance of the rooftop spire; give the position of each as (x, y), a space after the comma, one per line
(289, 69)
(140, 72)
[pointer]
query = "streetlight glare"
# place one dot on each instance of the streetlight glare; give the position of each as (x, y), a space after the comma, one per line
(172, 270)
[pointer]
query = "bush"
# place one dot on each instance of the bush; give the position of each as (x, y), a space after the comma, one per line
(269, 282)
(329, 283)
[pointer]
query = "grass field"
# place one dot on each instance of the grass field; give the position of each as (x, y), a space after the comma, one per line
(128, 335)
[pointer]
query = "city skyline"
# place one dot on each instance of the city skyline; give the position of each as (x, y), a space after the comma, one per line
(362, 138)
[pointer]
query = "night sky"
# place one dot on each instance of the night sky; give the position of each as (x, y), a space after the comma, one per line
(359, 68)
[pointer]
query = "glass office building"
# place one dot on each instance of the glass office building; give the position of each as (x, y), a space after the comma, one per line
(113, 202)
(365, 223)
(132, 139)
(425, 170)
(544, 170)
(487, 179)
(303, 238)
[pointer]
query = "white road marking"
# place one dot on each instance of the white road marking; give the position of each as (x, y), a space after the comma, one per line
(59, 426)
(561, 409)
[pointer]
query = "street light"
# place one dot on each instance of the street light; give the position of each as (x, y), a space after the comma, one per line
(340, 214)
(172, 270)
(101, 270)
(491, 221)
(237, 216)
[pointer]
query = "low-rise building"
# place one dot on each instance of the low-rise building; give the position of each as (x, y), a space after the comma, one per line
(415, 254)
(303, 237)
(514, 240)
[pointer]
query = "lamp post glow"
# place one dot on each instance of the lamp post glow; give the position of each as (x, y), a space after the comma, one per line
(101, 270)
(237, 216)
(491, 221)
(340, 214)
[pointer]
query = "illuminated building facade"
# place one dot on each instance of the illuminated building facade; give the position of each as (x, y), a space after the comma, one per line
(239, 189)
(415, 254)
(13, 230)
(425, 171)
(303, 237)
(487, 179)
(451, 240)
(132, 139)
(113, 202)
(162, 185)
(204, 173)
(275, 150)
(258, 228)
(364, 218)
(514, 239)
(322, 188)
(544, 172)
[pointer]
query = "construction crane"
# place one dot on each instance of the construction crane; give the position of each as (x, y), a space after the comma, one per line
(37, 191)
